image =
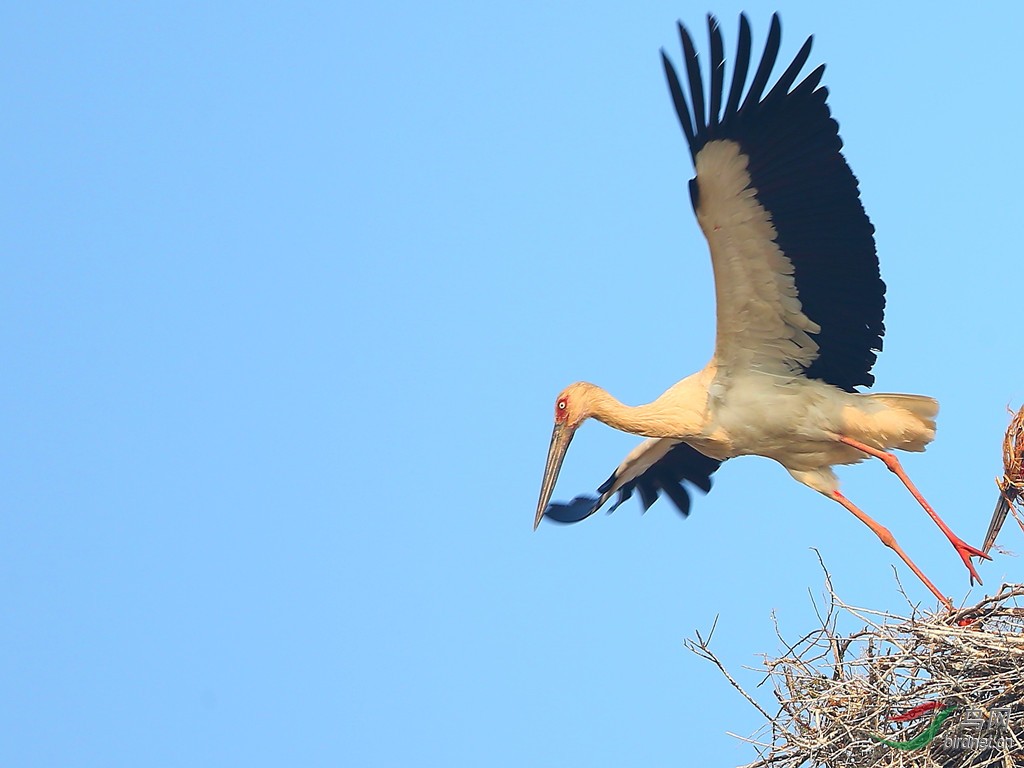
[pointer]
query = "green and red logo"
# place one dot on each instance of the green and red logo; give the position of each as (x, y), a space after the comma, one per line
(978, 727)
(926, 736)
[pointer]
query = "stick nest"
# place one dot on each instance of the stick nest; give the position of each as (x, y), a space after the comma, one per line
(838, 694)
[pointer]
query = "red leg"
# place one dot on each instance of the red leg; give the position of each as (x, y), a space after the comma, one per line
(965, 550)
(887, 538)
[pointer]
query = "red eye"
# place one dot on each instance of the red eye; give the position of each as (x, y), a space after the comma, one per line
(561, 410)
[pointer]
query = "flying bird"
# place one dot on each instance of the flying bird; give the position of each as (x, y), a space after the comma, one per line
(799, 308)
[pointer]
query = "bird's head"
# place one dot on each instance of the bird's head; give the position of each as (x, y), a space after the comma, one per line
(573, 406)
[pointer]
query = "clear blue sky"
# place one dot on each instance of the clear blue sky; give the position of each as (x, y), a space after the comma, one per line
(285, 300)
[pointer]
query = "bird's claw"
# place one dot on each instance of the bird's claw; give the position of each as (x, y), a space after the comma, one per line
(966, 552)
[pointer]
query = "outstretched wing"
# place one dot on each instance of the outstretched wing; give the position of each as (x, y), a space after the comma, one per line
(656, 465)
(796, 273)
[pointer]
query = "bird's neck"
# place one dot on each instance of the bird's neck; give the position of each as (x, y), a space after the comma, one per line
(661, 418)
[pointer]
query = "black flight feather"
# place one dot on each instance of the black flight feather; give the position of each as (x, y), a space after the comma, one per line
(683, 466)
(803, 181)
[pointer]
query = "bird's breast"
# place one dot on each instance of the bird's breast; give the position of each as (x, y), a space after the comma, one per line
(771, 416)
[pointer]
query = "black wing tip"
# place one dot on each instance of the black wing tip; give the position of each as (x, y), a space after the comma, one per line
(701, 126)
(715, 27)
(679, 101)
(672, 475)
(575, 511)
(666, 62)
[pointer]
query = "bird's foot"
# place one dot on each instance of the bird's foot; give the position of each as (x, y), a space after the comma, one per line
(966, 552)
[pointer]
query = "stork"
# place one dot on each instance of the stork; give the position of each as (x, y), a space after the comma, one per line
(799, 308)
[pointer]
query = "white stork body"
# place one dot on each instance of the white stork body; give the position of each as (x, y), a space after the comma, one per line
(799, 307)
(793, 420)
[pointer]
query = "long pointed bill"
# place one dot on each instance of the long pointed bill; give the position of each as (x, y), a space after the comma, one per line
(560, 439)
(998, 518)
